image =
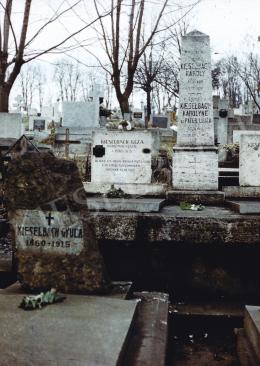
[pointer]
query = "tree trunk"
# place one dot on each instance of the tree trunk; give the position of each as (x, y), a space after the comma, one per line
(124, 104)
(4, 98)
(148, 102)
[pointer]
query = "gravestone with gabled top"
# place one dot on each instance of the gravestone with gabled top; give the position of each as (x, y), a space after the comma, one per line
(55, 245)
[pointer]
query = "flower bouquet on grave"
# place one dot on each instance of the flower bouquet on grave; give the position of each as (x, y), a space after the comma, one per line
(33, 302)
(191, 206)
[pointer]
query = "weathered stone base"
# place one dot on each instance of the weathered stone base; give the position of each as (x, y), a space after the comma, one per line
(195, 168)
(136, 189)
(67, 273)
(125, 204)
(242, 192)
(203, 197)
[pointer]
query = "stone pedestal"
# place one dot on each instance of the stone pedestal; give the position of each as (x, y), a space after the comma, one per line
(195, 158)
(195, 168)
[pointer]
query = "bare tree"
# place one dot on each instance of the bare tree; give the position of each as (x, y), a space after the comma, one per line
(123, 52)
(31, 83)
(67, 76)
(146, 73)
(249, 72)
(229, 81)
(16, 50)
(27, 85)
(167, 80)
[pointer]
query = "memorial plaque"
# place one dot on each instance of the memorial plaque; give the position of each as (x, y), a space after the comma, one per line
(138, 115)
(196, 125)
(52, 232)
(126, 158)
(249, 160)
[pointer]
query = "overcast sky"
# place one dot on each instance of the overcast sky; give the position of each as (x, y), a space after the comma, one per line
(233, 25)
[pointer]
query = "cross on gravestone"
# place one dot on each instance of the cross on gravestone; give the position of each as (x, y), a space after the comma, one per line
(49, 218)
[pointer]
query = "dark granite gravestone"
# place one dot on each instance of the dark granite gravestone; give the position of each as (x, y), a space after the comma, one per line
(160, 121)
(39, 124)
(55, 245)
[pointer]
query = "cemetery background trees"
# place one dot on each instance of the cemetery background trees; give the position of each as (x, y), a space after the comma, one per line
(238, 79)
(146, 73)
(125, 50)
(18, 40)
(31, 84)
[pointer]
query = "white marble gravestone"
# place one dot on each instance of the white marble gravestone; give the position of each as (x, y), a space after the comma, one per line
(121, 157)
(10, 125)
(249, 159)
(80, 114)
(195, 159)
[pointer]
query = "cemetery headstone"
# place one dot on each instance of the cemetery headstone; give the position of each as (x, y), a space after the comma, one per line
(80, 114)
(121, 157)
(137, 115)
(55, 245)
(10, 125)
(39, 124)
(249, 159)
(195, 159)
(160, 121)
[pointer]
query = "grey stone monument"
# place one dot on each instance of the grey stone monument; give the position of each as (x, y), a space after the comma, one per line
(195, 158)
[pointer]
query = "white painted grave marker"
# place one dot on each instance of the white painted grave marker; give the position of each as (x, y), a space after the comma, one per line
(121, 157)
(249, 159)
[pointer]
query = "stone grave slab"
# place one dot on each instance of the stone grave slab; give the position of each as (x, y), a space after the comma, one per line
(249, 160)
(121, 157)
(245, 207)
(129, 204)
(82, 330)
